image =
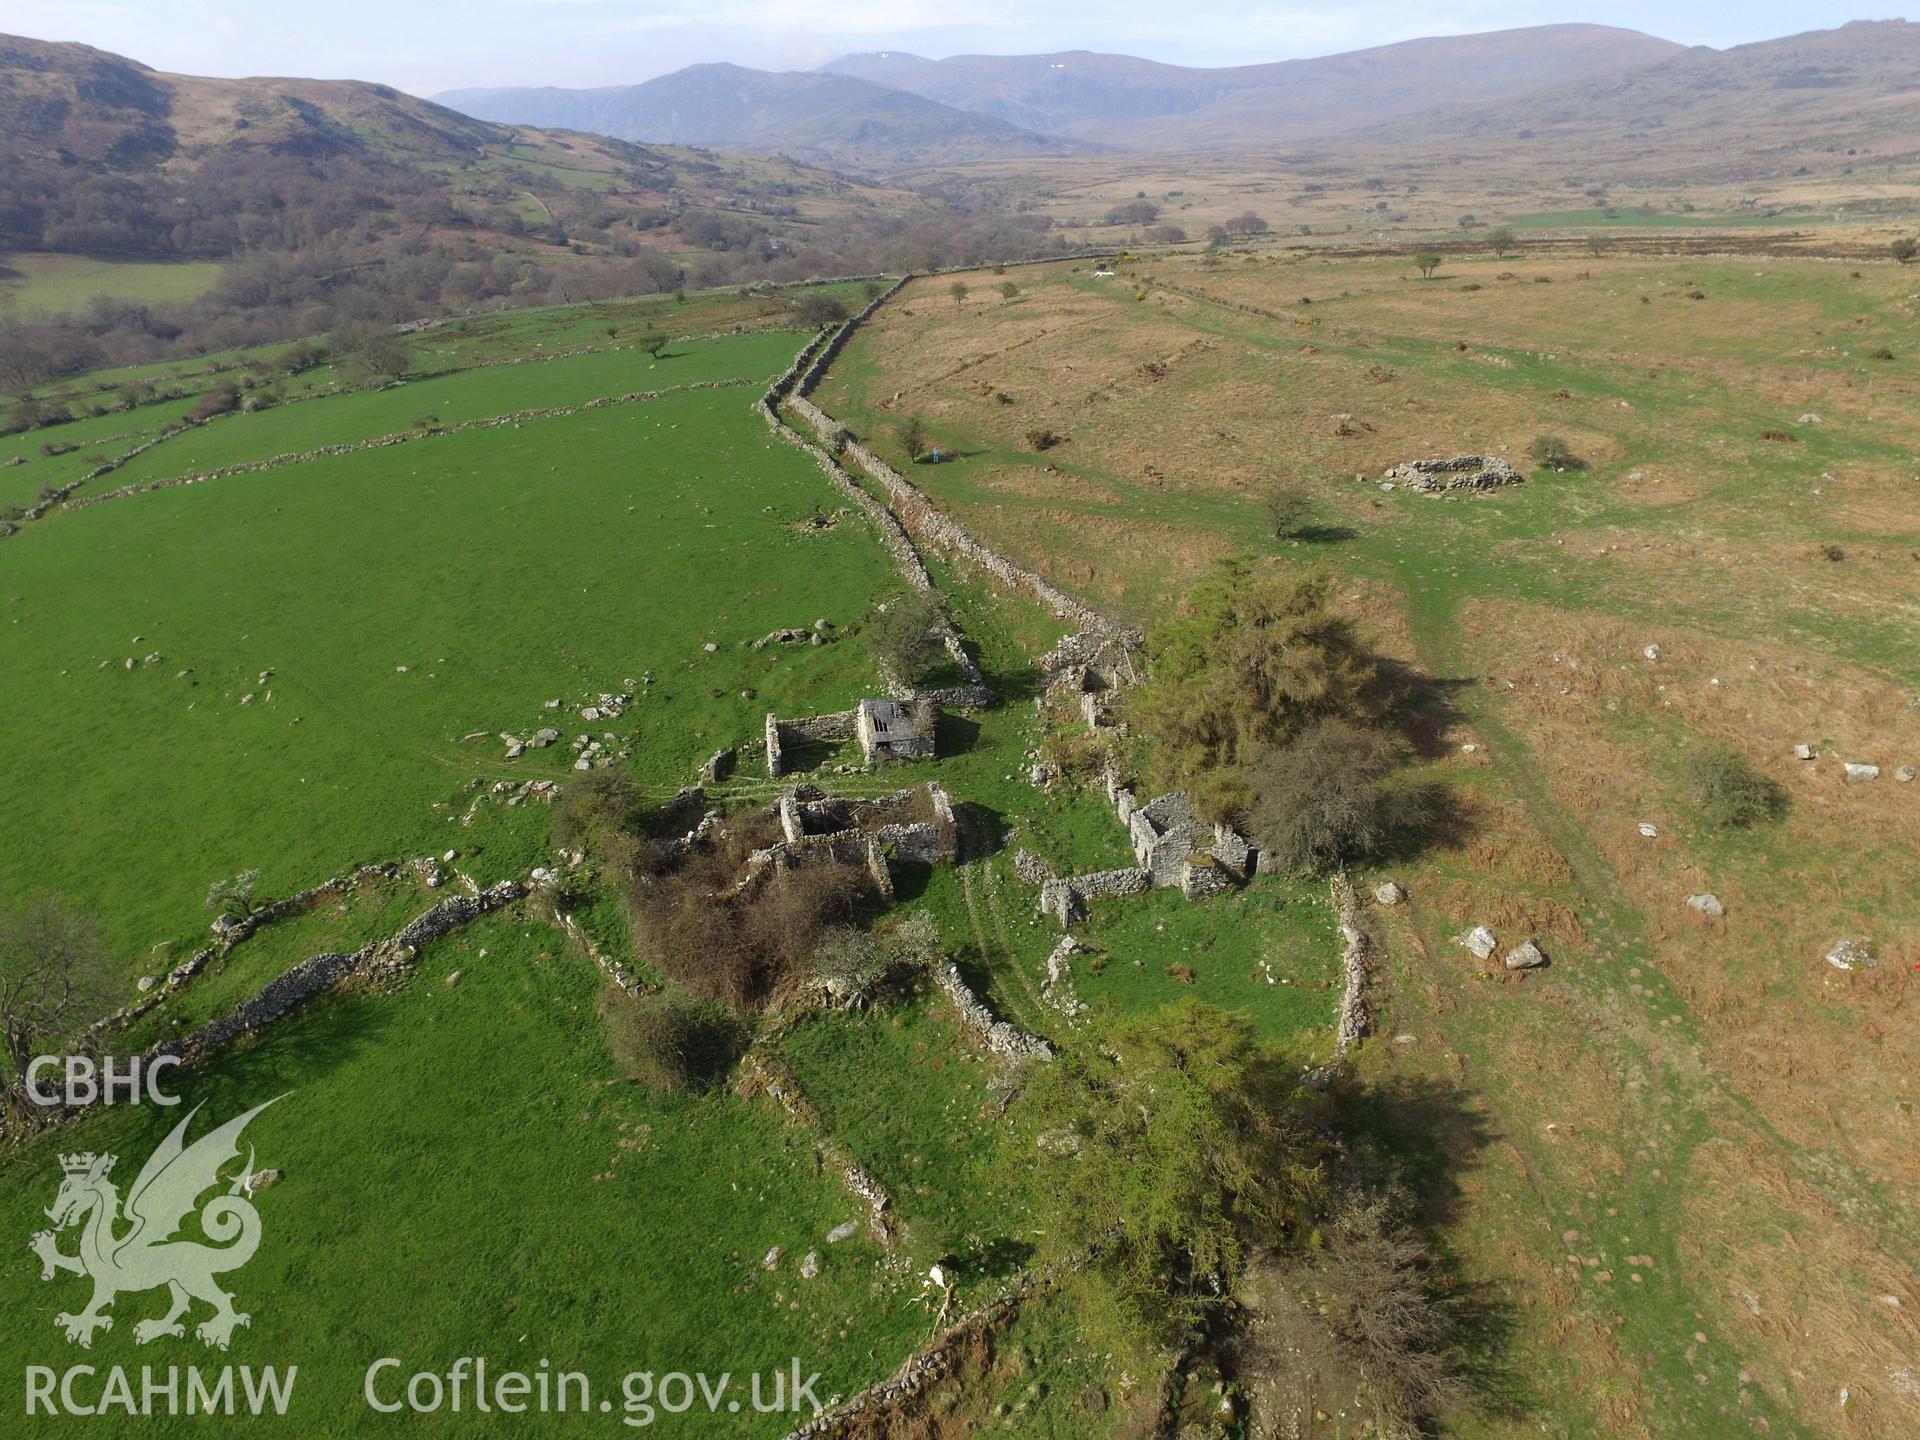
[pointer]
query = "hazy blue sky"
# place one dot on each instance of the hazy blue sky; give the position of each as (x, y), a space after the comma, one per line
(429, 45)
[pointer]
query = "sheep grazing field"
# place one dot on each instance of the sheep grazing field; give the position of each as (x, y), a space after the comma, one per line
(1671, 681)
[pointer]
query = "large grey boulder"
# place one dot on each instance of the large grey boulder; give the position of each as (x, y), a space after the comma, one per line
(1526, 956)
(1481, 941)
(1390, 894)
(1850, 955)
(1859, 774)
(1708, 905)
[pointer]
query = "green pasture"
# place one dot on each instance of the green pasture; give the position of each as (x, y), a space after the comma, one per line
(465, 1175)
(403, 598)
(61, 284)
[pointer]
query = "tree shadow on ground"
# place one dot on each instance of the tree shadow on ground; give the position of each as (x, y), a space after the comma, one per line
(1424, 706)
(1325, 534)
(1425, 1135)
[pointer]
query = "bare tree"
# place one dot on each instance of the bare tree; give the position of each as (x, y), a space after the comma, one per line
(378, 352)
(234, 897)
(1287, 510)
(55, 975)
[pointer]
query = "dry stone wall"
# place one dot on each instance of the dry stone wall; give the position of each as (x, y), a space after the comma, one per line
(908, 508)
(1355, 1020)
(1001, 1037)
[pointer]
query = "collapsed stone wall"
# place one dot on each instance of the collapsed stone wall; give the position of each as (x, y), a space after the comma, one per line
(231, 934)
(1001, 1037)
(760, 1074)
(383, 959)
(1356, 1017)
(926, 1366)
(1355, 1020)
(380, 961)
(1455, 472)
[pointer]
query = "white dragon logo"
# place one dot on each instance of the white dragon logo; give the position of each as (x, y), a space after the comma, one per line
(146, 1256)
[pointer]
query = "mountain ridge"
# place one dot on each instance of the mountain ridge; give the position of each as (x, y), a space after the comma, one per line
(843, 121)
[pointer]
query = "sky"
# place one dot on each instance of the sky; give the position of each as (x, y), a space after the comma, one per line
(425, 46)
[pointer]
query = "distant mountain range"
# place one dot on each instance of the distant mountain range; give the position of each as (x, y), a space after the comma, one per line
(821, 118)
(895, 111)
(1768, 104)
(892, 111)
(1141, 104)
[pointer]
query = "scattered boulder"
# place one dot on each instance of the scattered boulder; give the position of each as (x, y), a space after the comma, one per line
(710, 648)
(146, 983)
(846, 1230)
(1805, 752)
(1652, 652)
(260, 1180)
(1707, 904)
(810, 1265)
(1905, 774)
(1481, 941)
(453, 979)
(542, 738)
(1390, 894)
(1525, 956)
(1851, 955)
(1061, 1142)
(771, 1259)
(1649, 832)
(1859, 774)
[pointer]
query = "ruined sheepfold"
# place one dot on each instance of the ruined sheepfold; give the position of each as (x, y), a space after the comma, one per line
(1454, 472)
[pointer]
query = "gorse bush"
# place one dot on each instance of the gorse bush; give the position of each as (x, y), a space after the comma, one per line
(1554, 453)
(1729, 792)
(1251, 662)
(1166, 1153)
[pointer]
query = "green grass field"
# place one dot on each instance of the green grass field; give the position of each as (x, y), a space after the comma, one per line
(1674, 1104)
(60, 284)
(404, 598)
(306, 667)
(463, 1176)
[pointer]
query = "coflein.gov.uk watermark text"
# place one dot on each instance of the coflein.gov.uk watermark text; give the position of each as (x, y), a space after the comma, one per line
(469, 1387)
